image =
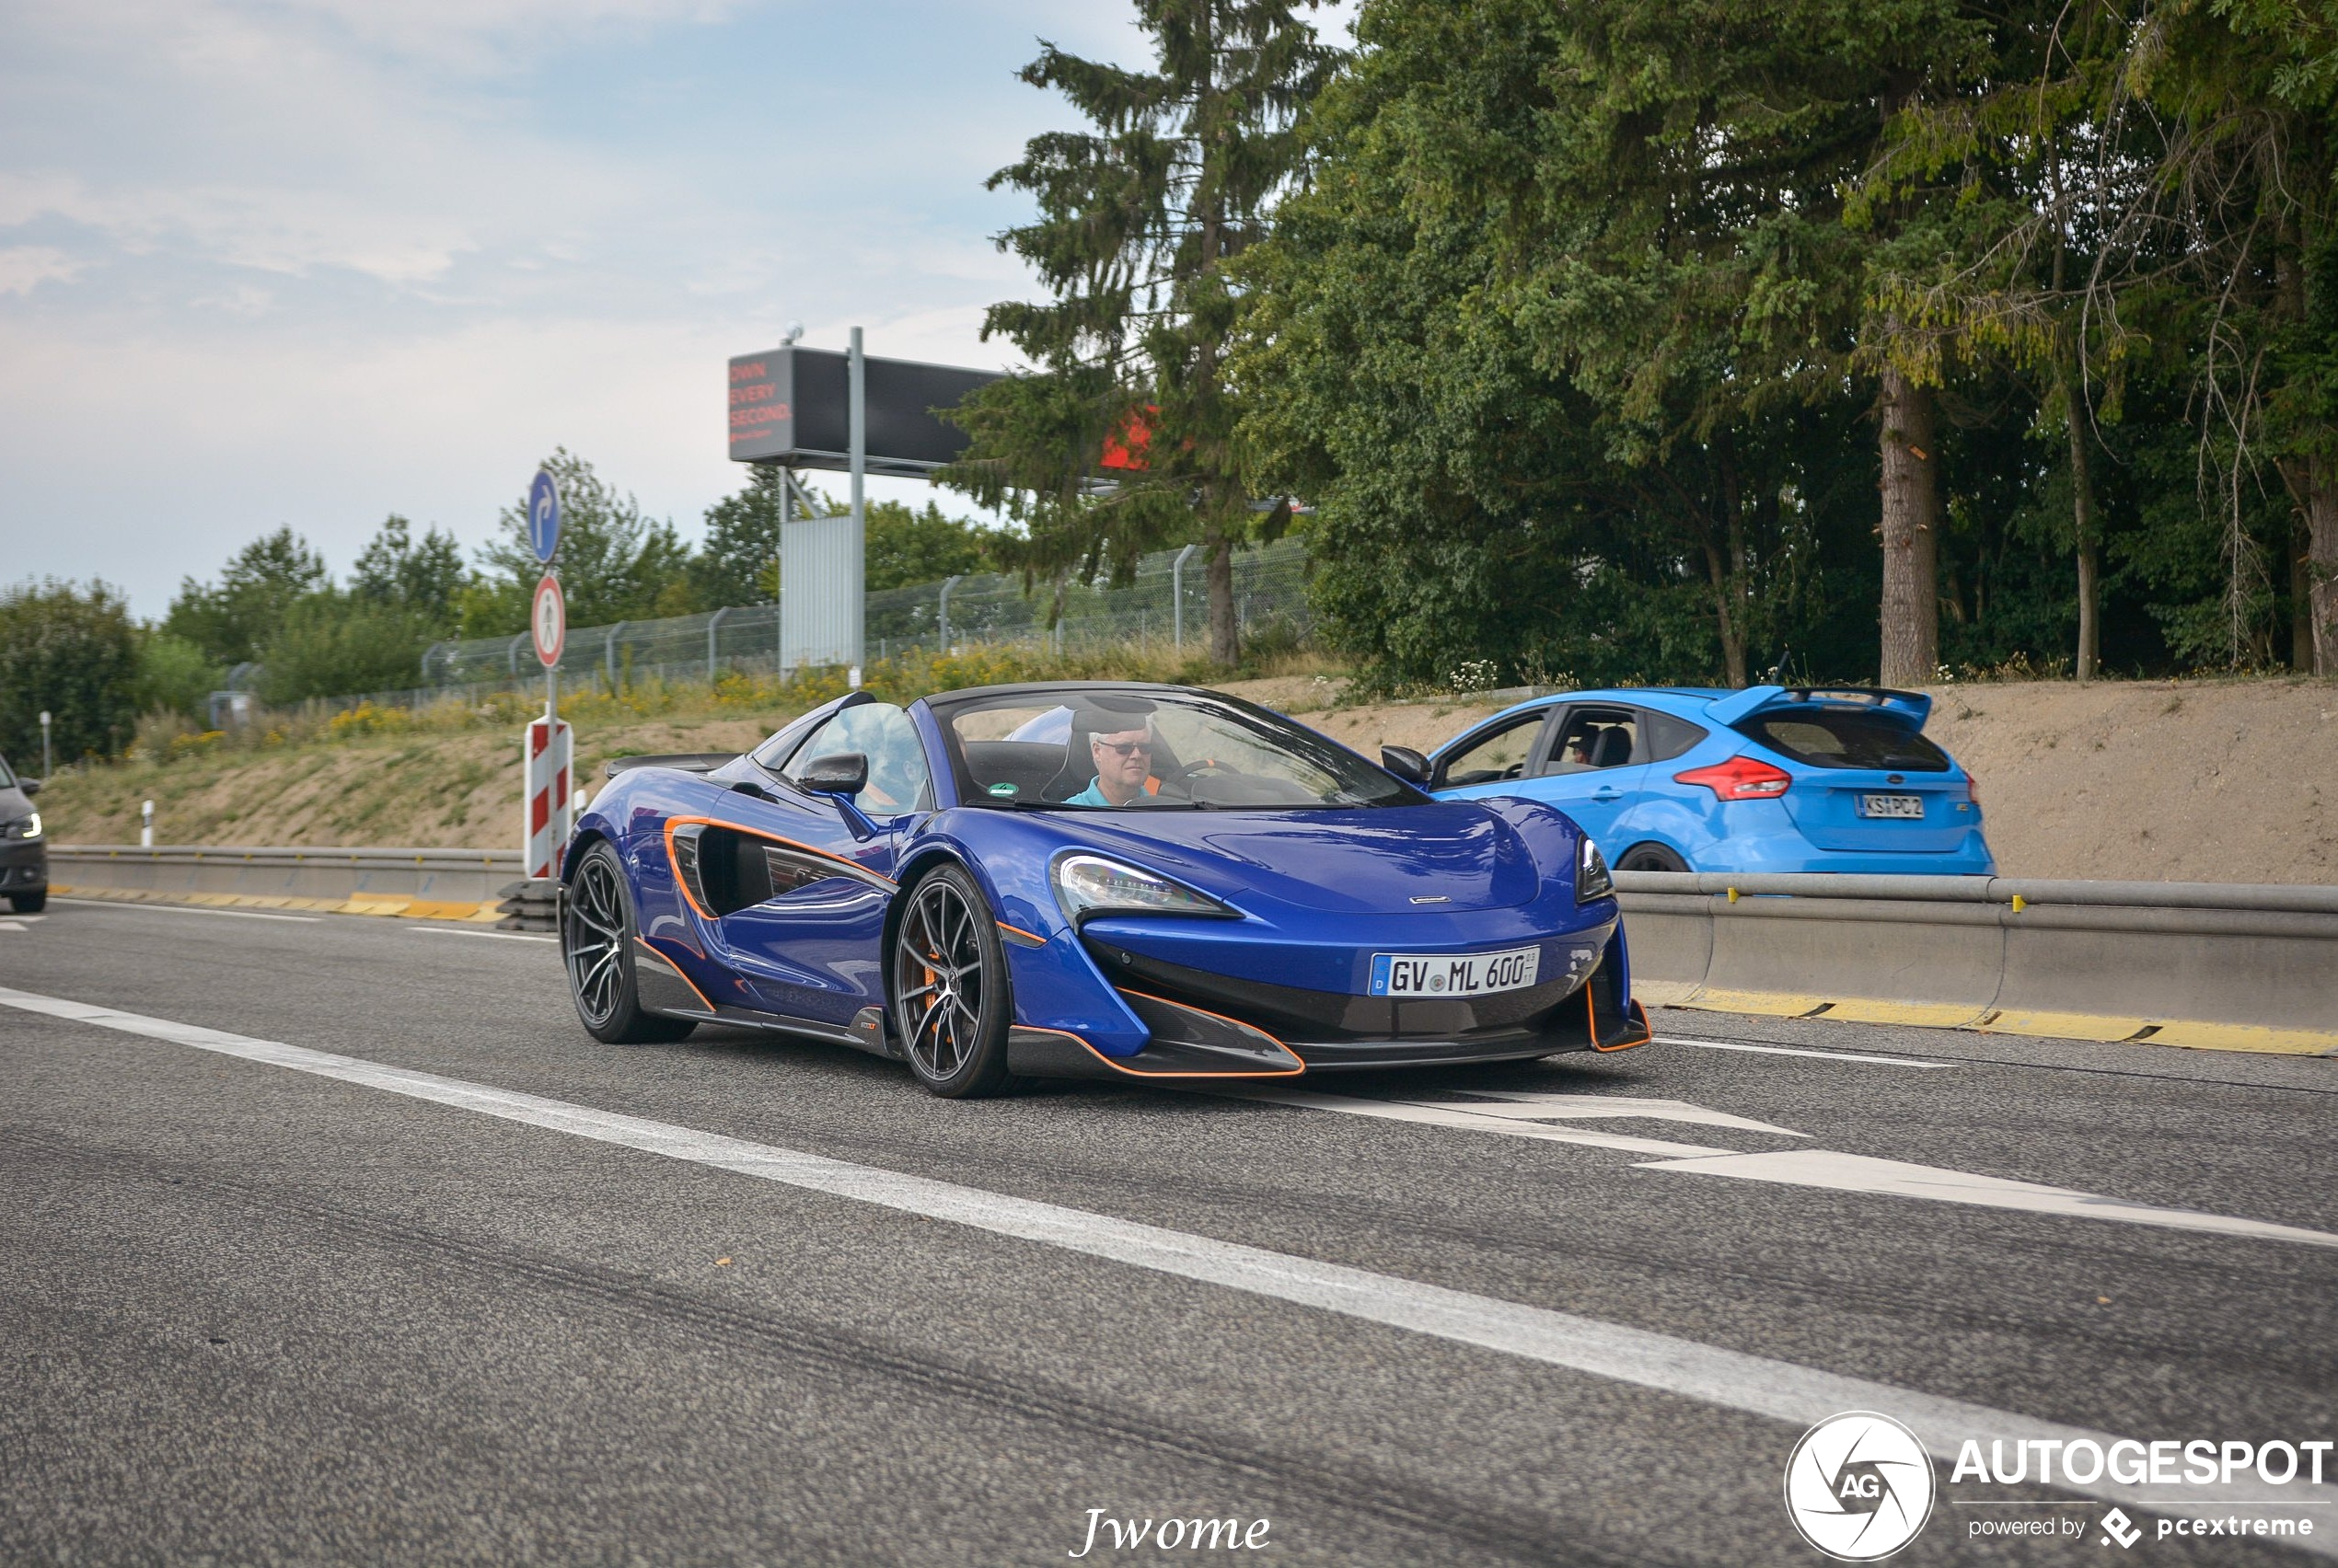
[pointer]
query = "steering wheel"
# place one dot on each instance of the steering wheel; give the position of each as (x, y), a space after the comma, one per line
(1202, 767)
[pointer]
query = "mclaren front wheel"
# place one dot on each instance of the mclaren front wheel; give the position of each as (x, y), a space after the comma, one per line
(596, 945)
(948, 987)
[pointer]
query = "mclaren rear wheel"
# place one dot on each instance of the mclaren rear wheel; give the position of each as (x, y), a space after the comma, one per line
(596, 945)
(949, 990)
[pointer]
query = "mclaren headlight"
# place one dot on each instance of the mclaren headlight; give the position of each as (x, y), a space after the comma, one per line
(1592, 880)
(1092, 884)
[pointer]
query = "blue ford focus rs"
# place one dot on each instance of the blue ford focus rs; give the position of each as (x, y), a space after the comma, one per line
(1770, 778)
(1077, 880)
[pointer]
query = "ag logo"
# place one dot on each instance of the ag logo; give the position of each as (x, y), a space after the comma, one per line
(1858, 1486)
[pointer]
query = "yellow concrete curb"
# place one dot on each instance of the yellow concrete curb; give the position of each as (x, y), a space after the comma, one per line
(463, 910)
(2244, 1037)
(2064, 1026)
(2190, 1035)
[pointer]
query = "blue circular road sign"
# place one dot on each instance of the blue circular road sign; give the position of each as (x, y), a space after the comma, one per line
(544, 515)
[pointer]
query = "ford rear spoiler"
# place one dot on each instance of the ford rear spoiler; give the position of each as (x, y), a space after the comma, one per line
(1912, 706)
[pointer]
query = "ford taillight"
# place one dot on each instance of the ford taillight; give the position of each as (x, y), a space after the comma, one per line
(1739, 778)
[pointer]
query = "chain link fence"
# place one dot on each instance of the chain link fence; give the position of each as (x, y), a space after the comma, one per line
(1162, 607)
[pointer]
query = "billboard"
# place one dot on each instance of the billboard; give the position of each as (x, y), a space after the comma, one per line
(789, 405)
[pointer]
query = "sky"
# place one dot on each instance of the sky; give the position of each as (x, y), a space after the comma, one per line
(315, 261)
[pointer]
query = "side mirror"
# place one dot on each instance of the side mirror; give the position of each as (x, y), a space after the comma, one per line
(31, 787)
(1406, 763)
(846, 773)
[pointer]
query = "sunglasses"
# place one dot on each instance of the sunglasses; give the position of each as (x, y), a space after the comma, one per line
(1127, 748)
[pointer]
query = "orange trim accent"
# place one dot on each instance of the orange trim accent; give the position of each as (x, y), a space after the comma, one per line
(1221, 1017)
(678, 973)
(679, 880)
(1032, 937)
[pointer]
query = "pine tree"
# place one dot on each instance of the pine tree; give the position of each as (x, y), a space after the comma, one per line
(1139, 221)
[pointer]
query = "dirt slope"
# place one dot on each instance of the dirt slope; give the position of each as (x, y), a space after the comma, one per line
(2206, 781)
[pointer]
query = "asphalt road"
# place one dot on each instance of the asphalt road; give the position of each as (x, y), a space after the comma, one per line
(253, 1313)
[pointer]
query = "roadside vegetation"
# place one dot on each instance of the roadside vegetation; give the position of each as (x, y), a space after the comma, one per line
(1604, 342)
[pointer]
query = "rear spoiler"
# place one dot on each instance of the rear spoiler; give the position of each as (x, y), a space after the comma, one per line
(1913, 706)
(683, 762)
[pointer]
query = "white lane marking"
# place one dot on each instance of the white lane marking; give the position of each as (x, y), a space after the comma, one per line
(1797, 1168)
(1543, 1105)
(1470, 1117)
(189, 909)
(499, 936)
(1781, 1391)
(14, 926)
(1863, 1173)
(1793, 1051)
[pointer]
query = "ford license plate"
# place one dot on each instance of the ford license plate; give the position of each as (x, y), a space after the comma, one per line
(1446, 974)
(1909, 808)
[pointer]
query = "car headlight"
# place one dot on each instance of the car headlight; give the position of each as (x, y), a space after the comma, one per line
(1090, 884)
(24, 827)
(1592, 880)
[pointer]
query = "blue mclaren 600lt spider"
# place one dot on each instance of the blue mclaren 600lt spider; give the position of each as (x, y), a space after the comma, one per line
(1118, 881)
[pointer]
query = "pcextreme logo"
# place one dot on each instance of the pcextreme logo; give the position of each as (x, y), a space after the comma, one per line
(1858, 1486)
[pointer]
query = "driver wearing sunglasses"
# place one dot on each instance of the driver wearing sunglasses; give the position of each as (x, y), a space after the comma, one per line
(1123, 760)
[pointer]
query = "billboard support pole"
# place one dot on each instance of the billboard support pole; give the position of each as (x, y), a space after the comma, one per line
(857, 438)
(779, 623)
(1177, 594)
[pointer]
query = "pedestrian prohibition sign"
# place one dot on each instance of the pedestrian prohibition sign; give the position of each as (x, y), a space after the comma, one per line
(549, 621)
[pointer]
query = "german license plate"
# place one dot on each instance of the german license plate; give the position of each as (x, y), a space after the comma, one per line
(1907, 807)
(1447, 975)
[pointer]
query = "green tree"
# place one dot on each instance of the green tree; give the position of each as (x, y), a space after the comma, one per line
(232, 618)
(614, 563)
(175, 675)
(1138, 220)
(72, 652)
(906, 547)
(738, 561)
(337, 643)
(423, 577)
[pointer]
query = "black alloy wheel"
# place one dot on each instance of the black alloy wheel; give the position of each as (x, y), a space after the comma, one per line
(596, 945)
(951, 1003)
(1650, 858)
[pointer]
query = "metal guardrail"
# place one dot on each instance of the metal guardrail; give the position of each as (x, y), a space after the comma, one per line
(2205, 965)
(443, 884)
(2209, 964)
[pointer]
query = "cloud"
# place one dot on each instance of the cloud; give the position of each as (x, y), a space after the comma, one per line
(23, 268)
(312, 261)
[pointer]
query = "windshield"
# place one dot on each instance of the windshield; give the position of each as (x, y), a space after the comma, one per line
(1838, 738)
(1118, 749)
(7, 780)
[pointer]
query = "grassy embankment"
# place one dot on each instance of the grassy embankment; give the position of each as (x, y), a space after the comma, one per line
(448, 775)
(2206, 780)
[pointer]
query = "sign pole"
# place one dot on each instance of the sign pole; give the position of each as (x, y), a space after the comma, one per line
(547, 748)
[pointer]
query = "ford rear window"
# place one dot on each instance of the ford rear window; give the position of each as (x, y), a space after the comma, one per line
(1828, 737)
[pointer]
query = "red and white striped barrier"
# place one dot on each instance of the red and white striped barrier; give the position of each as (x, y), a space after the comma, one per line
(547, 753)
